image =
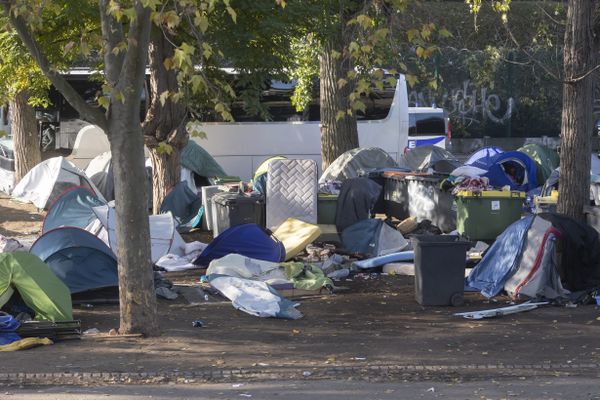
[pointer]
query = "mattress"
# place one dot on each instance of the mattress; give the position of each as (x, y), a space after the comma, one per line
(296, 235)
(291, 191)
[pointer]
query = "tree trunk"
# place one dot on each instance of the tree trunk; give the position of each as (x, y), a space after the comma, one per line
(165, 175)
(164, 122)
(136, 284)
(338, 135)
(25, 135)
(576, 127)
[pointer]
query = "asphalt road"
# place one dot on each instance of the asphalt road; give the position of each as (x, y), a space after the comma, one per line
(542, 388)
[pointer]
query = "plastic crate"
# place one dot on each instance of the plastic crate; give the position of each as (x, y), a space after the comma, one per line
(229, 209)
(485, 215)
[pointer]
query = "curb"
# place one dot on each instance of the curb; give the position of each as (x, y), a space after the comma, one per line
(370, 373)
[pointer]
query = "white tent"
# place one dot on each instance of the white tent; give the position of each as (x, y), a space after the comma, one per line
(90, 142)
(99, 170)
(48, 180)
(164, 238)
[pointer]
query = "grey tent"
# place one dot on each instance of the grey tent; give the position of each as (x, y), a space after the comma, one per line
(424, 157)
(351, 163)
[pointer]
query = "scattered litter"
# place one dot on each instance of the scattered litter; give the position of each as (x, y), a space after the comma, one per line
(431, 389)
(245, 395)
(237, 385)
(498, 312)
(306, 374)
(113, 332)
(91, 331)
(197, 324)
(358, 358)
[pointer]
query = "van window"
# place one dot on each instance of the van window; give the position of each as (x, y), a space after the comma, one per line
(421, 124)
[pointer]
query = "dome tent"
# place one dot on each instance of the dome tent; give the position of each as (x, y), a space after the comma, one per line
(351, 163)
(485, 153)
(78, 258)
(511, 168)
(72, 208)
(48, 180)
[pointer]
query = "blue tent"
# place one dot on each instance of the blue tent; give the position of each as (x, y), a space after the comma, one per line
(81, 260)
(185, 206)
(485, 153)
(511, 168)
(72, 208)
(500, 260)
(249, 240)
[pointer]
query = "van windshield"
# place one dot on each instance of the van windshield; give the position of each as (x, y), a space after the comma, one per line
(426, 124)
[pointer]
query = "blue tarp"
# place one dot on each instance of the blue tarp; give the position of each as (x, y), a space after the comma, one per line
(8, 326)
(501, 259)
(249, 240)
(184, 206)
(498, 170)
(78, 258)
(72, 208)
(484, 154)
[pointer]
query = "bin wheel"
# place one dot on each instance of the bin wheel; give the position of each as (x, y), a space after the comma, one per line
(457, 299)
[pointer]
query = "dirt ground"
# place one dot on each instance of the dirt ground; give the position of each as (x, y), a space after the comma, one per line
(374, 322)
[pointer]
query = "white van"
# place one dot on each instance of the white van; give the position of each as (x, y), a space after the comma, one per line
(428, 126)
(240, 147)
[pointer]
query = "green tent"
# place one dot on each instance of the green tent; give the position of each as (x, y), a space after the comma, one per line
(545, 158)
(39, 288)
(198, 160)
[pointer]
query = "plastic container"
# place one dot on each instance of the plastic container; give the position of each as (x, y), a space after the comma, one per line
(395, 197)
(485, 215)
(229, 209)
(326, 209)
(440, 269)
(427, 201)
(546, 203)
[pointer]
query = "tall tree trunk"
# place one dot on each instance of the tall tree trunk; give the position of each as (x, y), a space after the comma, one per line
(136, 284)
(136, 277)
(576, 127)
(25, 135)
(338, 135)
(164, 122)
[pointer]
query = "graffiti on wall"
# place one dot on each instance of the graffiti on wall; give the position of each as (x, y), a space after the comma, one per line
(468, 103)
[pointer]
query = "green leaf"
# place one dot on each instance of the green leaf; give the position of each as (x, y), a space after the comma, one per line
(364, 21)
(339, 115)
(152, 4)
(164, 148)
(201, 20)
(232, 13)
(104, 102)
(411, 79)
(163, 97)
(359, 106)
(341, 83)
(413, 34)
(445, 33)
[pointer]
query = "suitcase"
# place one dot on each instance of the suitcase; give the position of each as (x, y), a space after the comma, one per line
(229, 209)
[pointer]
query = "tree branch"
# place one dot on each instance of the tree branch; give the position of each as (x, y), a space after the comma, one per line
(133, 71)
(533, 59)
(91, 114)
(112, 35)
